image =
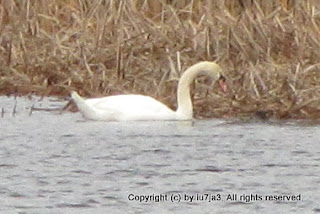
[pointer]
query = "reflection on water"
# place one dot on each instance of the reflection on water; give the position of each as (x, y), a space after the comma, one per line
(59, 163)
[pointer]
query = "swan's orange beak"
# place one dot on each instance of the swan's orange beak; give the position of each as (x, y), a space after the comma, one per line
(222, 83)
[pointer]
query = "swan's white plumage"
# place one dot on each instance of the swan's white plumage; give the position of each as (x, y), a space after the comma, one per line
(140, 107)
(131, 107)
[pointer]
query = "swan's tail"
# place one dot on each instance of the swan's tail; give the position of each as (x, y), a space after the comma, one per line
(86, 110)
(77, 99)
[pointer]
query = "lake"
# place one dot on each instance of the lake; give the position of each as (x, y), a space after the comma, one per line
(52, 162)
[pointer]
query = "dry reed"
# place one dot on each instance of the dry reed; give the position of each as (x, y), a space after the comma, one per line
(270, 51)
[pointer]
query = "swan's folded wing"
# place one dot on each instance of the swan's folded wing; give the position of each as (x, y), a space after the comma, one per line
(133, 107)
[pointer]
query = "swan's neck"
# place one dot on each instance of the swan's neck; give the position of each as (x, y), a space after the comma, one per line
(185, 109)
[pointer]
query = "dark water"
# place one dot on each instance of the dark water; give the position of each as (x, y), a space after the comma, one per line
(59, 163)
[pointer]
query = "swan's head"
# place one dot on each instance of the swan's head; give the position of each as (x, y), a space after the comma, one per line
(222, 83)
(215, 71)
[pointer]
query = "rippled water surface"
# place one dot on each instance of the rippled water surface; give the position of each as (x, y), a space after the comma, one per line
(59, 163)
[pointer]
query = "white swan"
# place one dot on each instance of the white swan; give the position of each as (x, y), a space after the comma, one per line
(140, 107)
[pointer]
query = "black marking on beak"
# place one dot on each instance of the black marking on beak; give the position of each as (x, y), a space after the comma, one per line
(222, 78)
(222, 83)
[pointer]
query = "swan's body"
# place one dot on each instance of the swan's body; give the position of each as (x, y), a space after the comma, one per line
(140, 107)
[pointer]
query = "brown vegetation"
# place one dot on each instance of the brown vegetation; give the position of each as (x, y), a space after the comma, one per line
(270, 51)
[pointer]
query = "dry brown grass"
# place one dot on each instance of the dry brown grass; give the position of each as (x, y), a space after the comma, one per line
(270, 51)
